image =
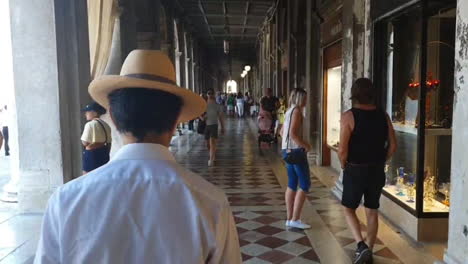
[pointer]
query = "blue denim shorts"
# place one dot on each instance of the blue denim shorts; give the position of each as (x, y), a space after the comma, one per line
(93, 159)
(298, 174)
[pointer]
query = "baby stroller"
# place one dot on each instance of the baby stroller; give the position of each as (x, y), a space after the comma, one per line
(266, 133)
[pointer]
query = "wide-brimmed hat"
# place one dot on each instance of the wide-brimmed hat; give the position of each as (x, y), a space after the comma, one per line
(150, 69)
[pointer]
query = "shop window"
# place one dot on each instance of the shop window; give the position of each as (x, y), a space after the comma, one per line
(422, 161)
(333, 80)
(332, 65)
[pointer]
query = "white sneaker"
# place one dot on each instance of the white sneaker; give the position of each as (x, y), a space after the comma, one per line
(298, 224)
(287, 223)
(210, 163)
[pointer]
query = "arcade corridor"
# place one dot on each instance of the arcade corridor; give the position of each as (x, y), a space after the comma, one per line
(414, 51)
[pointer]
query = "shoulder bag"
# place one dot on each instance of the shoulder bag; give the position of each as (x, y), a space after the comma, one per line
(292, 157)
(105, 132)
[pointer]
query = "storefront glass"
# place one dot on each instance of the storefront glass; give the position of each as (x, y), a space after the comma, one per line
(333, 105)
(401, 77)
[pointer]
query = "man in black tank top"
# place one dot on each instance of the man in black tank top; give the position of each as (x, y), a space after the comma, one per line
(367, 141)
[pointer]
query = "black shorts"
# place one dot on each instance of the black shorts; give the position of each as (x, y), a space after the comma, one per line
(211, 131)
(360, 180)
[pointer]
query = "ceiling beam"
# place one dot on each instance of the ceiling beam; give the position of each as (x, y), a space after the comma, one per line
(235, 26)
(265, 3)
(247, 7)
(235, 35)
(229, 15)
(226, 22)
(205, 18)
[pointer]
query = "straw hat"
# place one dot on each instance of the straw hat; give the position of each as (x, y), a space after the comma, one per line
(150, 69)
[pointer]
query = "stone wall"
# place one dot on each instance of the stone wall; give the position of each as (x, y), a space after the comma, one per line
(356, 46)
(457, 251)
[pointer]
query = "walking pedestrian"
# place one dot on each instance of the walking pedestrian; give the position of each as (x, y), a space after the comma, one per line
(281, 116)
(294, 150)
(4, 123)
(367, 141)
(213, 117)
(141, 207)
(248, 102)
(240, 104)
(270, 103)
(231, 102)
(96, 138)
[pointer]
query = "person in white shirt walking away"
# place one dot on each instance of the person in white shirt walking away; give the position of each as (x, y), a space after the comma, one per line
(142, 206)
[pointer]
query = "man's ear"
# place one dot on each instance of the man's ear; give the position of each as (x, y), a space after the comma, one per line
(174, 128)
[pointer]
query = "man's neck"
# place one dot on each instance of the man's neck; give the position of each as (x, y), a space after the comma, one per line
(164, 139)
(365, 106)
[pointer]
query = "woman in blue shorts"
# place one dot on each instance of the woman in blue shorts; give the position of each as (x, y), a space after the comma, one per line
(298, 171)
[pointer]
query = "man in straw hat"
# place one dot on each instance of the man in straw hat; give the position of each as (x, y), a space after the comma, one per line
(141, 207)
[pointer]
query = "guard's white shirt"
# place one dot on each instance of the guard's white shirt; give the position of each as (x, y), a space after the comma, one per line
(142, 207)
(97, 131)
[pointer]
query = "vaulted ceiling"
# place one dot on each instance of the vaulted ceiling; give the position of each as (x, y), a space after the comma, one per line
(237, 21)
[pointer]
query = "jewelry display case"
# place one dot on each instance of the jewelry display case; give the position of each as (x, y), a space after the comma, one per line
(414, 68)
(333, 105)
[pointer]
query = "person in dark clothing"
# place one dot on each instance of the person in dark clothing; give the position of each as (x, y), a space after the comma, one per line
(367, 141)
(191, 125)
(4, 122)
(1, 139)
(6, 137)
(270, 104)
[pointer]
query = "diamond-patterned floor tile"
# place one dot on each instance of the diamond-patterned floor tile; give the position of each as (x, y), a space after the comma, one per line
(276, 256)
(252, 186)
(254, 250)
(272, 242)
(251, 236)
(250, 225)
(289, 236)
(294, 248)
(269, 230)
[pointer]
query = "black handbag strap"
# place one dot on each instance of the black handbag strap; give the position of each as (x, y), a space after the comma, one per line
(289, 128)
(104, 128)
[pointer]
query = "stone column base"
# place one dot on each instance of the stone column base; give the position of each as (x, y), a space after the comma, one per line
(448, 259)
(10, 192)
(34, 191)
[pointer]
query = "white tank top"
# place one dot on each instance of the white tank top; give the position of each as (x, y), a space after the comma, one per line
(286, 127)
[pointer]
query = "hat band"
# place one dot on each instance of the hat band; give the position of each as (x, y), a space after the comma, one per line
(151, 77)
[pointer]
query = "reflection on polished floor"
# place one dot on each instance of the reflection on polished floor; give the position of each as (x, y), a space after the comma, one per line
(254, 180)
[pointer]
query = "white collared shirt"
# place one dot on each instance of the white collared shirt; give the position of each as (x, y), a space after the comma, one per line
(140, 208)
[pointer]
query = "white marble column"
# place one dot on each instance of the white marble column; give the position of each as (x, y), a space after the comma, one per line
(457, 251)
(51, 75)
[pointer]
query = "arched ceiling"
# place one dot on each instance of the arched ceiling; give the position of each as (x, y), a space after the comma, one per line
(237, 21)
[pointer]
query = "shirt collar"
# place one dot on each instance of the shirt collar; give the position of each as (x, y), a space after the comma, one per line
(143, 151)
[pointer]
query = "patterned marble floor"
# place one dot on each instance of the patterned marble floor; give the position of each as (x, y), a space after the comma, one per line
(255, 194)
(251, 179)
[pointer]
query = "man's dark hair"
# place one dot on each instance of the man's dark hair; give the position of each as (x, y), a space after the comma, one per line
(142, 111)
(363, 92)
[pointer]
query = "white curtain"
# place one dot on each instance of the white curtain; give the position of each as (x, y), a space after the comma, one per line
(101, 19)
